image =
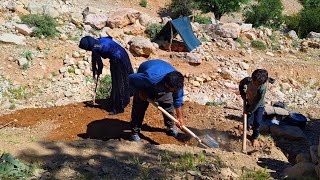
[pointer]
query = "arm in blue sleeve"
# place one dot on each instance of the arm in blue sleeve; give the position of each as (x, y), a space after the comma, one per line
(178, 98)
(139, 81)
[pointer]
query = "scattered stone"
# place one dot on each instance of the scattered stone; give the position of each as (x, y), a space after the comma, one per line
(123, 17)
(244, 65)
(194, 58)
(313, 35)
(22, 62)
(246, 27)
(67, 93)
(11, 38)
(141, 46)
(293, 35)
(98, 21)
(270, 54)
(229, 30)
(24, 29)
(250, 36)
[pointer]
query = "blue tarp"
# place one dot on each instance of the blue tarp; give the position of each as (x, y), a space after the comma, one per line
(182, 27)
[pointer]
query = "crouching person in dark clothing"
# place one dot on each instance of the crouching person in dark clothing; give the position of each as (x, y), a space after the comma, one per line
(161, 82)
(252, 91)
(120, 68)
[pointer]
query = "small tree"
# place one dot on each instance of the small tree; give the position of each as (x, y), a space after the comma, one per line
(266, 12)
(220, 7)
(180, 8)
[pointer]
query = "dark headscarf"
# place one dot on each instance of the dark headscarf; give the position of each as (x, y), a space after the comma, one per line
(87, 43)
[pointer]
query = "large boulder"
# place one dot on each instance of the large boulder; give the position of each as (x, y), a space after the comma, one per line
(123, 17)
(141, 46)
(229, 30)
(314, 35)
(134, 29)
(97, 21)
(301, 170)
(287, 132)
(35, 8)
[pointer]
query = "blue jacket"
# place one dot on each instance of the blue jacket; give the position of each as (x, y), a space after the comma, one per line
(107, 48)
(150, 75)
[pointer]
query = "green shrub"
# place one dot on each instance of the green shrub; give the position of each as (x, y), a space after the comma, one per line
(306, 21)
(12, 168)
(310, 3)
(310, 21)
(220, 7)
(202, 20)
(18, 92)
(44, 25)
(213, 103)
(143, 3)
(258, 45)
(28, 55)
(179, 8)
(266, 12)
(104, 88)
(153, 29)
(240, 42)
(255, 174)
(25, 66)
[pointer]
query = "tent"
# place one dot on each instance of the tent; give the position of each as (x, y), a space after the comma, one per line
(179, 26)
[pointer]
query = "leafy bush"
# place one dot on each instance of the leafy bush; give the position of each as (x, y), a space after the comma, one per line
(28, 55)
(310, 3)
(179, 8)
(266, 12)
(306, 21)
(18, 92)
(11, 168)
(202, 20)
(104, 88)
(256, 174)
(143, 3)
(310, 21)
(153, 29)
(220, 7)
(44, 25)
(258, 45)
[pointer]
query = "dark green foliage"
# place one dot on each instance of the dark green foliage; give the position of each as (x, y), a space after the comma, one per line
(153, 29)
(104, 88)
(310, 21)
(266, 12)
(11, 168)
(220, 7)
(306, 21)
(44, 25)
(311, 3)
(202, 20)
(143, 3)
(179, 8)
(258, 45)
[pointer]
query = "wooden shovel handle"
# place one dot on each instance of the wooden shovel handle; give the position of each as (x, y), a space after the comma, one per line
(244, 138)
(183, 128)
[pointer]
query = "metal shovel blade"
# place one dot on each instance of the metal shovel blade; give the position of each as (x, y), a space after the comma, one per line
(209, 141)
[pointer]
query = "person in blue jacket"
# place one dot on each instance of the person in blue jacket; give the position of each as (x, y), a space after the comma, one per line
(161, 82)
(120, 67)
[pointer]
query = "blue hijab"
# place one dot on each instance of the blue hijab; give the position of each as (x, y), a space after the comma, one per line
(87, 43)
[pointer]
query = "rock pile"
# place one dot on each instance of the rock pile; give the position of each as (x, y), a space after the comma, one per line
(307, 165)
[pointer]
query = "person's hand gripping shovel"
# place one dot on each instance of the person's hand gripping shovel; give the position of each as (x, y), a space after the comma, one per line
(207, 141)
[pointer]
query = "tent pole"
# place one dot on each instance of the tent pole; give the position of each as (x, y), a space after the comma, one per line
(170, 37)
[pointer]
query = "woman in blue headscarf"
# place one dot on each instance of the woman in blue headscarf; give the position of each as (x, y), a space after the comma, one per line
(120, 67)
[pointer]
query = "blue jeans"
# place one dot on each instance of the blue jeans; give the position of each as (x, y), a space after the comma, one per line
(255, 119)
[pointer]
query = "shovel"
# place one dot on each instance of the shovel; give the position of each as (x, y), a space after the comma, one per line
(244, 138)
(95, 91)
(207, 141)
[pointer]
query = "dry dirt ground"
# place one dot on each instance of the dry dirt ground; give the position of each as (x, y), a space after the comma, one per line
(76, 138)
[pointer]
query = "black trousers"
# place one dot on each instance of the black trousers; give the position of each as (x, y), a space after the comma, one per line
(139, 108)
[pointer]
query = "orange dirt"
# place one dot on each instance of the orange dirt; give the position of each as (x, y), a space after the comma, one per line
(82, 120)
